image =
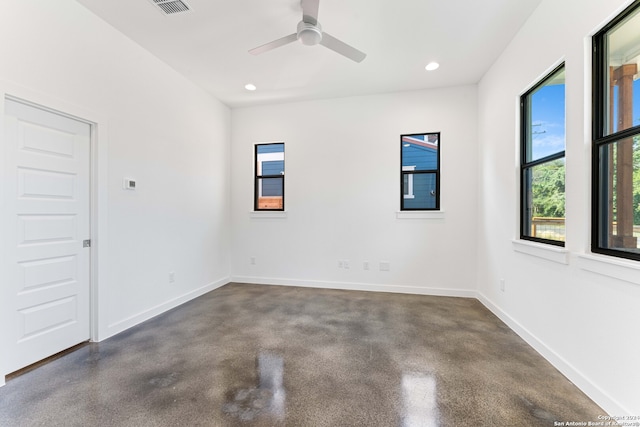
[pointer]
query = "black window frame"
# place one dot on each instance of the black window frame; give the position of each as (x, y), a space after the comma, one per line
(430, 171)
(600, 138)
(526, 165)
(257, 179)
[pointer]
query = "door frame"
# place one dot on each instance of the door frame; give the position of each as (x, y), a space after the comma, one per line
(98, 177)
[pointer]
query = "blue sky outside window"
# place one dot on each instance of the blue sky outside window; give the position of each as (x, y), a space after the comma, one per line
(547, 123)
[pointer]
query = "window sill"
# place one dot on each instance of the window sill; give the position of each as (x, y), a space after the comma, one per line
(420, 215)
(540, 250)
(629, 271)
(268, 214)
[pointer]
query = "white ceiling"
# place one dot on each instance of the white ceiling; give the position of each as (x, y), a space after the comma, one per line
(209, 44)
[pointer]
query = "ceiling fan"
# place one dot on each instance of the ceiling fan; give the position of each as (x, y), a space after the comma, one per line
(310, 33)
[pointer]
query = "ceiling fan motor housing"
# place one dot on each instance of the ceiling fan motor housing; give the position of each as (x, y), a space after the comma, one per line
(309, 34)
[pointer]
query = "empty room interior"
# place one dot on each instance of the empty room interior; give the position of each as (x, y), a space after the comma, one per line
(418, 213)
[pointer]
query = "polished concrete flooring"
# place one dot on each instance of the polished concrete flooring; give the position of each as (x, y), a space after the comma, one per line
(274, 356)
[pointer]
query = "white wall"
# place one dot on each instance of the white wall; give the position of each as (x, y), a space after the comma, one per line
(342, 193)
(154, 126)
(569, 305)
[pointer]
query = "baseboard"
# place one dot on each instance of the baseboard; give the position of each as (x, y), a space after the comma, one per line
(595, 393)
(122, 325)
(355, 286)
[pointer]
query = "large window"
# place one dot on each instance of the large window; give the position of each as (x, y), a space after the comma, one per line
(269, 177)
(616, 137)
(542, 160)
(420, 171)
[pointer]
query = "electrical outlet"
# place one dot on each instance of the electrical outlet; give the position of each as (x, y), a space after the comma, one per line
(340, 264)
(252, 260)
(502, 285)
(365, 265)
(385, 266)
(345, 263)
(172, 276)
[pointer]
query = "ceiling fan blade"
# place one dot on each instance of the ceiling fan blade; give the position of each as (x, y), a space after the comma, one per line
(274, 44)
(342, 48)
(310, 11)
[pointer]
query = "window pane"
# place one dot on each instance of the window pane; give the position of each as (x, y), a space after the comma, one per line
(544, 215)
(422, 194)
(619, 195)
(269, 177)
(270, 159)
(420, 152)
(270, 191)
(545, 123)
(623, 84)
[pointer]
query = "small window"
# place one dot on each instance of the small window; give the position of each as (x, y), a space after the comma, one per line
(616, 137)
(420, 171)
(269, 177)
(543, 160)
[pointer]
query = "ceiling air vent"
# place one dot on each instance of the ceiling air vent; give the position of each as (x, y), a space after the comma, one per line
(169, 7)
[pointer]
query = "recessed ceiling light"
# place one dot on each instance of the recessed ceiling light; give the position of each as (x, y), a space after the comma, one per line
(250, 86)
(432, 66)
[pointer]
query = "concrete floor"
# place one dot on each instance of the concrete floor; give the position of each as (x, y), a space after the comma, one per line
(270, 356)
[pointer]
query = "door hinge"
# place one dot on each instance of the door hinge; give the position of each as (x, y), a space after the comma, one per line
(86, 243)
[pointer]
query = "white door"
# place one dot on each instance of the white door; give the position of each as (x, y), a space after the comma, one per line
(46, 218)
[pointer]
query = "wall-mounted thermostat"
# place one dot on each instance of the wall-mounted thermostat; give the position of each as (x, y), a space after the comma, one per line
(129, 184)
